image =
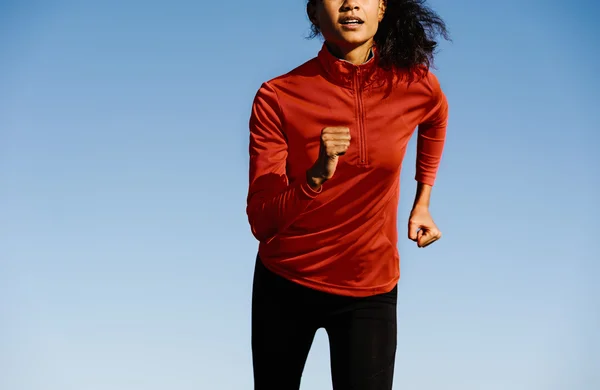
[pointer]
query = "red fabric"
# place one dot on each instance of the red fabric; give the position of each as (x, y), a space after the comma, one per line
(342, 239)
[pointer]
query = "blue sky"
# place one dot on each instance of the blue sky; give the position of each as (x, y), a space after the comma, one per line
(125, 255)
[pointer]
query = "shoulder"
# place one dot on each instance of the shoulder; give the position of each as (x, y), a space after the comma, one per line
(424, 79)
(271, 92)
(421, 84)
(295, 77)
(420, 80)
(421, 89)
(432, 83)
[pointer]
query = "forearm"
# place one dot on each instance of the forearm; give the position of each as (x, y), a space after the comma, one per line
(270, 215)
(422, 196)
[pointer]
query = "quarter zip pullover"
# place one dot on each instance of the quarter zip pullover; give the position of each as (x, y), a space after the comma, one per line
(343, 238)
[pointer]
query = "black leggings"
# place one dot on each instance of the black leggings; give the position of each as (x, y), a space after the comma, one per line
(286, 316)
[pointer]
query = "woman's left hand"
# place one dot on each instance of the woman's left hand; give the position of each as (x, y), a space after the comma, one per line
(421, 227)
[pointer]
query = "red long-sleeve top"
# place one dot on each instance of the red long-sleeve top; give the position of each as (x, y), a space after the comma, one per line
(343, 238)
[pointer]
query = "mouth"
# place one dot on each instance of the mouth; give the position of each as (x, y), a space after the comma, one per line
(351, 21)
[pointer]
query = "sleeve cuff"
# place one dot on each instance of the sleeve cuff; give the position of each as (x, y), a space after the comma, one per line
(430, 181)
(308, 191)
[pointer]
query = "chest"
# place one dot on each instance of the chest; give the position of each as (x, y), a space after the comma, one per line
(381, 123)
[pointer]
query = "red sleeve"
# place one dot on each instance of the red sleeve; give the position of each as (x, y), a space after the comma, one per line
(432, 134)
(273, 204)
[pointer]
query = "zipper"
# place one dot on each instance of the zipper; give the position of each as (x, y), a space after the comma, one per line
(362, 141)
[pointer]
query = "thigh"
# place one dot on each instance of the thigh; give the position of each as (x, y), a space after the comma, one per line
(282, 333)
(362, 338)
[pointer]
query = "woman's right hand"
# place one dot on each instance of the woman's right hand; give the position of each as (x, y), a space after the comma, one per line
(334, 143)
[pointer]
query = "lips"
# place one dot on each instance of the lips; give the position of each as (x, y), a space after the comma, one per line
(351, 20)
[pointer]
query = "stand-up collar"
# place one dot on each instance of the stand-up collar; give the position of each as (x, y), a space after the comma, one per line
(346, 73)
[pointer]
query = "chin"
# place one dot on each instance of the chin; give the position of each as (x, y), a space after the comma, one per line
(352, 39)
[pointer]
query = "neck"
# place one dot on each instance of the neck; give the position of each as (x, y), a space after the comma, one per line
(354, 54)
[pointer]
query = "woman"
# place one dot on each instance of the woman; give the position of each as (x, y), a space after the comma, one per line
(327, 142)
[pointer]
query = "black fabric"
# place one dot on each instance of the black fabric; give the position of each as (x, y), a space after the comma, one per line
(285, 317)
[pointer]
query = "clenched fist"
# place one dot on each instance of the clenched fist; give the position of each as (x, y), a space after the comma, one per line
(421, 228)
(334, 143)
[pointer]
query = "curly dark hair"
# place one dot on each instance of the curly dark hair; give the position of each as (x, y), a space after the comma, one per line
(406, 37)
